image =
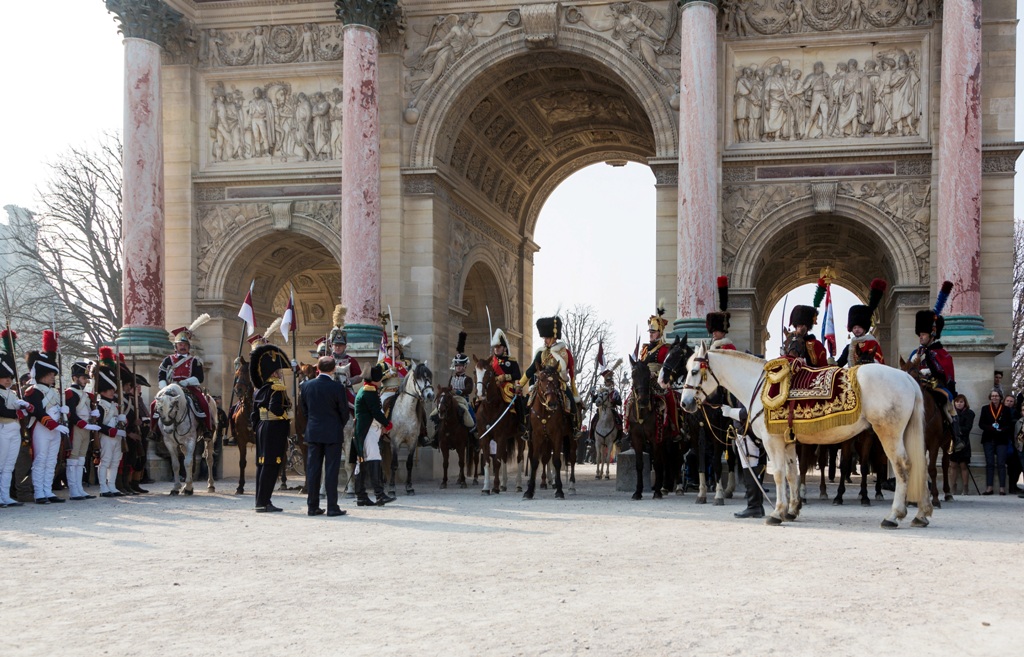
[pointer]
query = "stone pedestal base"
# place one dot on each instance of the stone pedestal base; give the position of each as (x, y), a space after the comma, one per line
(364, 340)
(625, 471)
(694, 328)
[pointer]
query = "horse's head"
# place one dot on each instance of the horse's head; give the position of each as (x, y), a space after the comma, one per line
(549, 386)
(423, 380)
(444, 403)
(307, 371)
(674, 367)
(696, 381)
(640, 375)
(484, 375)
(243, 384)
(168, 402)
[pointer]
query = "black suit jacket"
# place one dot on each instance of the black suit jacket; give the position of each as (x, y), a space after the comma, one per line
(325, 404)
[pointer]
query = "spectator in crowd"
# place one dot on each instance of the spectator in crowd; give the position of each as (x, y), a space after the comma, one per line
(997, 423)
(1013, 467)
(962, 458)
(997, 382)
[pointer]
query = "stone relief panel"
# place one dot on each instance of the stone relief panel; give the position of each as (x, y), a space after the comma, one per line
(271, 44)
(274, 122)
(645, 32)
(843, 94)
(753, 18)
(906, 203)
(220, 223)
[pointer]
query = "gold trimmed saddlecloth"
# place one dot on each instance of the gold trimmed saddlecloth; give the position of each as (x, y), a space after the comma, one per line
(809, 400)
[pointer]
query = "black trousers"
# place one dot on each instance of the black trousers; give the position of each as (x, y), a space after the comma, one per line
(271, 445)
(322, 460)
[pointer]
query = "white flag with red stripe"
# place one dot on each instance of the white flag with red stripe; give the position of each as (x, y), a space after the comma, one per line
(288, 323)
(247, 313)
(829, 323)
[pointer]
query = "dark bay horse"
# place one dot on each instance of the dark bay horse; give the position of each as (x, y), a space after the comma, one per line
(496, 421)
(938, 436)
(871, 457)
(452, 434)
(644, 431)
(549, 430)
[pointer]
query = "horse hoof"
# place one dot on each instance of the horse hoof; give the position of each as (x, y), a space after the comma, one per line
(936, 504)
(637, 496)
(657, 495)
(174, 492)
(718, 502)
(559, 495)
(239, 491)
(919, 522)
(443, 485)
(462, 485)
(410, 491)
(773, 521)
(879, 496)
(701, 500)
(519, 489)
(496, 491)
(889, 524)
(188, 491)
(790, 516)
(504, 489)
(543, 486)
(210, 489)
(948, 498)
(598, 476)
(728, 496)
(865, 502)
(837, 502)
(606, 477)
(527, 495)
(822, 496)
(485, 492)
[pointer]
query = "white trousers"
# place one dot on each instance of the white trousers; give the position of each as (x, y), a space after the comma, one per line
(110, 458)
(10, 445)
(75, 468)
(45, 445)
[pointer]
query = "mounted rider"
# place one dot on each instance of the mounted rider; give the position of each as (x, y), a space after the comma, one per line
(507, 374)
(554, 354)
(462, 387)
(717, 322)
(935, 365)
(395, 367)
(608, 390)
(342, 361)
(186, 370)
(801, 346)
(863, 344)
(653, 354)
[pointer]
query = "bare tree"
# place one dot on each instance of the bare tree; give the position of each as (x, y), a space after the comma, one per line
(583, 330)
(1017, 345)
(67, 257)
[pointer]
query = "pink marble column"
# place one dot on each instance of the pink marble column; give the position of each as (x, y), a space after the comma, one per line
(360, 177)
(697, 236)
(143, 187)
(959, 185)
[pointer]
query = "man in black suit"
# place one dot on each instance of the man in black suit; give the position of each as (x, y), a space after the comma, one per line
(325, 403)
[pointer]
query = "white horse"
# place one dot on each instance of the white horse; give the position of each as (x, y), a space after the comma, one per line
(606, 431)
(891, 404)
(415, 391)
(181, 428)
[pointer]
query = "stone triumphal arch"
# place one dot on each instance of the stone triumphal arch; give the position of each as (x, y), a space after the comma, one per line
(397, 154)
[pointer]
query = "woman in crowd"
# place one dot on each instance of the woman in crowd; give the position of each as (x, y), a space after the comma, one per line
(997, 423)
(1012, 456)
(962, 458)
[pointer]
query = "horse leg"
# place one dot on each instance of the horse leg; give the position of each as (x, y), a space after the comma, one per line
(209, 466)
(933, 475)
(657, 461)
(190, 452)
(945, 477)
(173, 450)
(243, 446)
(716, 465)
(824, 453)
(900, 461)
(444, 465)
(730, 485)
(556, 458)
(777, 455)
(845, 464)
(638, 456)
(408, 470)
(793, 509)
(532, 483)
(702, 488)
(461, 452)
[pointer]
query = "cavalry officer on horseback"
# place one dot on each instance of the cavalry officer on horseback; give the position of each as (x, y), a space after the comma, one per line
(186, 370)
(801, 346)
(271, 415)
(934, 364)
(508, 374)
(462, 386)
(608, 390)
(395, 367)
(339, 345)
(653, 354)
(555, 354)
(864, 345)
(717, 322)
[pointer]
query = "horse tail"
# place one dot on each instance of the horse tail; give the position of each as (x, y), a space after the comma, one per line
(914, 443)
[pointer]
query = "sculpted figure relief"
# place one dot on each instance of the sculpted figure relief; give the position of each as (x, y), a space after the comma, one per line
(742, 18)
(645, 33)
(278, 44)
(772, 102)
(275, 123)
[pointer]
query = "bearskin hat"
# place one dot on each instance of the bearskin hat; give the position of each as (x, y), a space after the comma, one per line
(106, 370)
(549, 327)
(376, 373)
(860, 315)
(805, 315)
(931, 321)
(8, 366)
(460, 351)
(719, 320)
(266, 360)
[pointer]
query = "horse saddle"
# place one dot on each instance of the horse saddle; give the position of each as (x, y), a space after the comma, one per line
(808, 400)
(389, 404)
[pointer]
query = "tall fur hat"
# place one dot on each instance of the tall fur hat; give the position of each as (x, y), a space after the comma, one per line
(806, 315)
(719, 321)
(860, 315)
(8, 365)
(932, 321)
(550, 327)
(106, 370)
(460, 351)
(266, 359)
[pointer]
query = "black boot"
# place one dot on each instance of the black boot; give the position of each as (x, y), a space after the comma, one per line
(755, 499)
(362, 499)
(377, 481)
(958, 441)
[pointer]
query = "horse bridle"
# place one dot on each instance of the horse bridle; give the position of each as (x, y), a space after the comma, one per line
(420, 391)
(175, 423)
(701, 396)
(550, 380)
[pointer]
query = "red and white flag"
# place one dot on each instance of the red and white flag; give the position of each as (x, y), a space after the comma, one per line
(383, 355)
(829, 323)
(288, 322)
(247, 313)
(600, 356)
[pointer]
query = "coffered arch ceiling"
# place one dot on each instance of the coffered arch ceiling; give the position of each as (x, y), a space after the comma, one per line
(519, 130)
(797, 254)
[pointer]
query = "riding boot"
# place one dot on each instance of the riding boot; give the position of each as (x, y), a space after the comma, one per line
(958, 440)
(755, 499)
(362, 499)
(377, 481)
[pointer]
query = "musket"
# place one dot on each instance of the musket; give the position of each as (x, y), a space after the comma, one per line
(60, 367)
(7, 319)
(120, 391)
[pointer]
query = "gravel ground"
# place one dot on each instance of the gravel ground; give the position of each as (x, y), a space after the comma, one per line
(453, 572)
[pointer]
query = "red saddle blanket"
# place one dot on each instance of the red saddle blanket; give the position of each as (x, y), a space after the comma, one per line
(809, 400)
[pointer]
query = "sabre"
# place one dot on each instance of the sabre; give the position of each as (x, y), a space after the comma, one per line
(391, 321)
(782, 323)
(490, 329)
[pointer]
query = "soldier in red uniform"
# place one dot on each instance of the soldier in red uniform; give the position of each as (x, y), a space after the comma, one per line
(865, 348)
(717, 322)
(653, 354)
(186, 370)
(934, 364)
(801, 346)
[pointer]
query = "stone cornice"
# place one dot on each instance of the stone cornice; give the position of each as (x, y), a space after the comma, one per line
(371, 13)
(151, 20)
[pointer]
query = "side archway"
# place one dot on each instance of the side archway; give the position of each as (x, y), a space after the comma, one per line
(480, 288)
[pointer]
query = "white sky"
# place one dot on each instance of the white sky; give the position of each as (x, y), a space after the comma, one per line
(64, 87)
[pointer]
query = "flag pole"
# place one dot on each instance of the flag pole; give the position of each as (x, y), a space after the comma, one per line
(291, 329)
(241, 342)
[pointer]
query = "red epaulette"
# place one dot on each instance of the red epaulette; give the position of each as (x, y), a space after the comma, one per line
(68, 393)
(29, 390)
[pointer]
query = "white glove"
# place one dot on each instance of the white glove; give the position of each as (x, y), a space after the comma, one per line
(23, 404)
(190, 381)
(122, 418)
(54, 413)
(62, 429)
(92, 427)
(163, 384)
(295, 363)
(94, 413)
(120, 433)
(925, 371)
(64, 410)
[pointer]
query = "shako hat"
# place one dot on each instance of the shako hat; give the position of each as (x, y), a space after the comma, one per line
(106, 370)
(41, 362)
(8, 366)
(719, 320)
(460, 351)
(266, 359)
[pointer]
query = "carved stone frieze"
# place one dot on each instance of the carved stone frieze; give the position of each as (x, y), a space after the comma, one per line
(540, 23)
(918, 166)
(274, 123)
(144, 19)
(738, 174)
(754, 18)
(644, 32)
(666, 174)
(277, 44)
(998, 163)
(831, 93)
(824, 194)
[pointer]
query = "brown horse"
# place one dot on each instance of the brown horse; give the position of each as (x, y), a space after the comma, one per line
(549, 429)
(871, 457)
(238, 420)
(644, 432)
(498, 429)
(452, 434)
(938, 436)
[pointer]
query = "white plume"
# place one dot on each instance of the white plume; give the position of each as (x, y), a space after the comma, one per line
(202, 319)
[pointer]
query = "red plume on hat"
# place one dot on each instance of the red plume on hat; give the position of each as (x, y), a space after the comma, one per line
(106, 355)
(878, 287)
(49, 342)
